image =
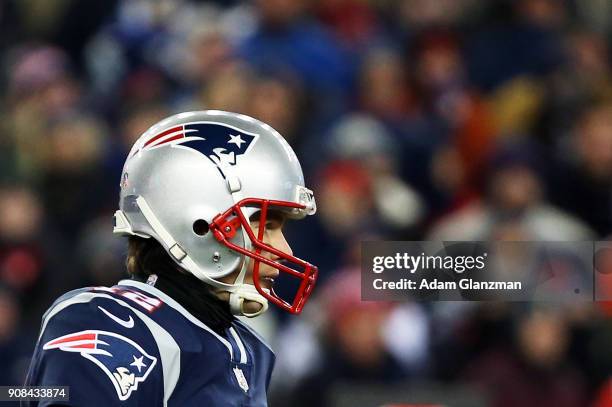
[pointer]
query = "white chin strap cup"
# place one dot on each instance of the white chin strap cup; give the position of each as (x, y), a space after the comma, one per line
(246, 292)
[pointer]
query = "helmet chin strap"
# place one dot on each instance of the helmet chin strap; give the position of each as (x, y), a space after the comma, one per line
(247, 292)
(243, 292)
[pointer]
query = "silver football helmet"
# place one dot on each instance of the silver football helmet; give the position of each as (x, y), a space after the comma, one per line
(193, 180)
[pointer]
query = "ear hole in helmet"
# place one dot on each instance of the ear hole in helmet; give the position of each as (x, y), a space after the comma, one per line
(200, 227)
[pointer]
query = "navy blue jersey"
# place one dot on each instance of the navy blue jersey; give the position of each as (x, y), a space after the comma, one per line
(133, 345)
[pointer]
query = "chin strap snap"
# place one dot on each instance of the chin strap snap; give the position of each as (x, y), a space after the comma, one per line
(246, 292)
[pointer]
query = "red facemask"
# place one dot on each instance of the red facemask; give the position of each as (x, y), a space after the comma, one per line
(224, 227)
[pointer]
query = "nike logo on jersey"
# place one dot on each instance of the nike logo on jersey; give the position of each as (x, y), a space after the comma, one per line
(128, 324)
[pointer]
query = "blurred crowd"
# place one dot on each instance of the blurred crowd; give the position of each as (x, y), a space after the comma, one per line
(413, 119)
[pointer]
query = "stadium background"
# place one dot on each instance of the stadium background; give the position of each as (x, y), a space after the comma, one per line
(414, 119)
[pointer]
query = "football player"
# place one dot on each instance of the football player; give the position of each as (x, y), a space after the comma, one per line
(204, 197)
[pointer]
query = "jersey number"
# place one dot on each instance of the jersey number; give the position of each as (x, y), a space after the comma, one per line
(146, 302)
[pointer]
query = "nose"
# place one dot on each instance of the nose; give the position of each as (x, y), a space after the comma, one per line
(279, 242)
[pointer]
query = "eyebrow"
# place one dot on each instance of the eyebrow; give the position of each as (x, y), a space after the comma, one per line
(272, 214)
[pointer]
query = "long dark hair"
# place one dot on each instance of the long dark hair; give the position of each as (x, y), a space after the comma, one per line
(147, 256)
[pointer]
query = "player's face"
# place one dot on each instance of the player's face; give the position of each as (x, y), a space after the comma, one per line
(273, 236)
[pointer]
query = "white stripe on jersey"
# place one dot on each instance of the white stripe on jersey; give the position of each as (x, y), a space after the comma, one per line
(243, 354)
(168, 348)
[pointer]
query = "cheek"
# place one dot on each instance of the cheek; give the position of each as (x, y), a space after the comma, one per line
(249, 273)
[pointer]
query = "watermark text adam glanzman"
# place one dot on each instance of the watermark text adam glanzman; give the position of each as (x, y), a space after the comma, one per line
(435, 284)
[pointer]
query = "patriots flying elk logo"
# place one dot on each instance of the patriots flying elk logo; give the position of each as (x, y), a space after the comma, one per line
(124, 362)
(221, 143)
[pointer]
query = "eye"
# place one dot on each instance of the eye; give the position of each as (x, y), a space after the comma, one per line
(274, 220)
(273, 224)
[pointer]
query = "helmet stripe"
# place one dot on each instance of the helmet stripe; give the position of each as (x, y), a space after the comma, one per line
(162, 134)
